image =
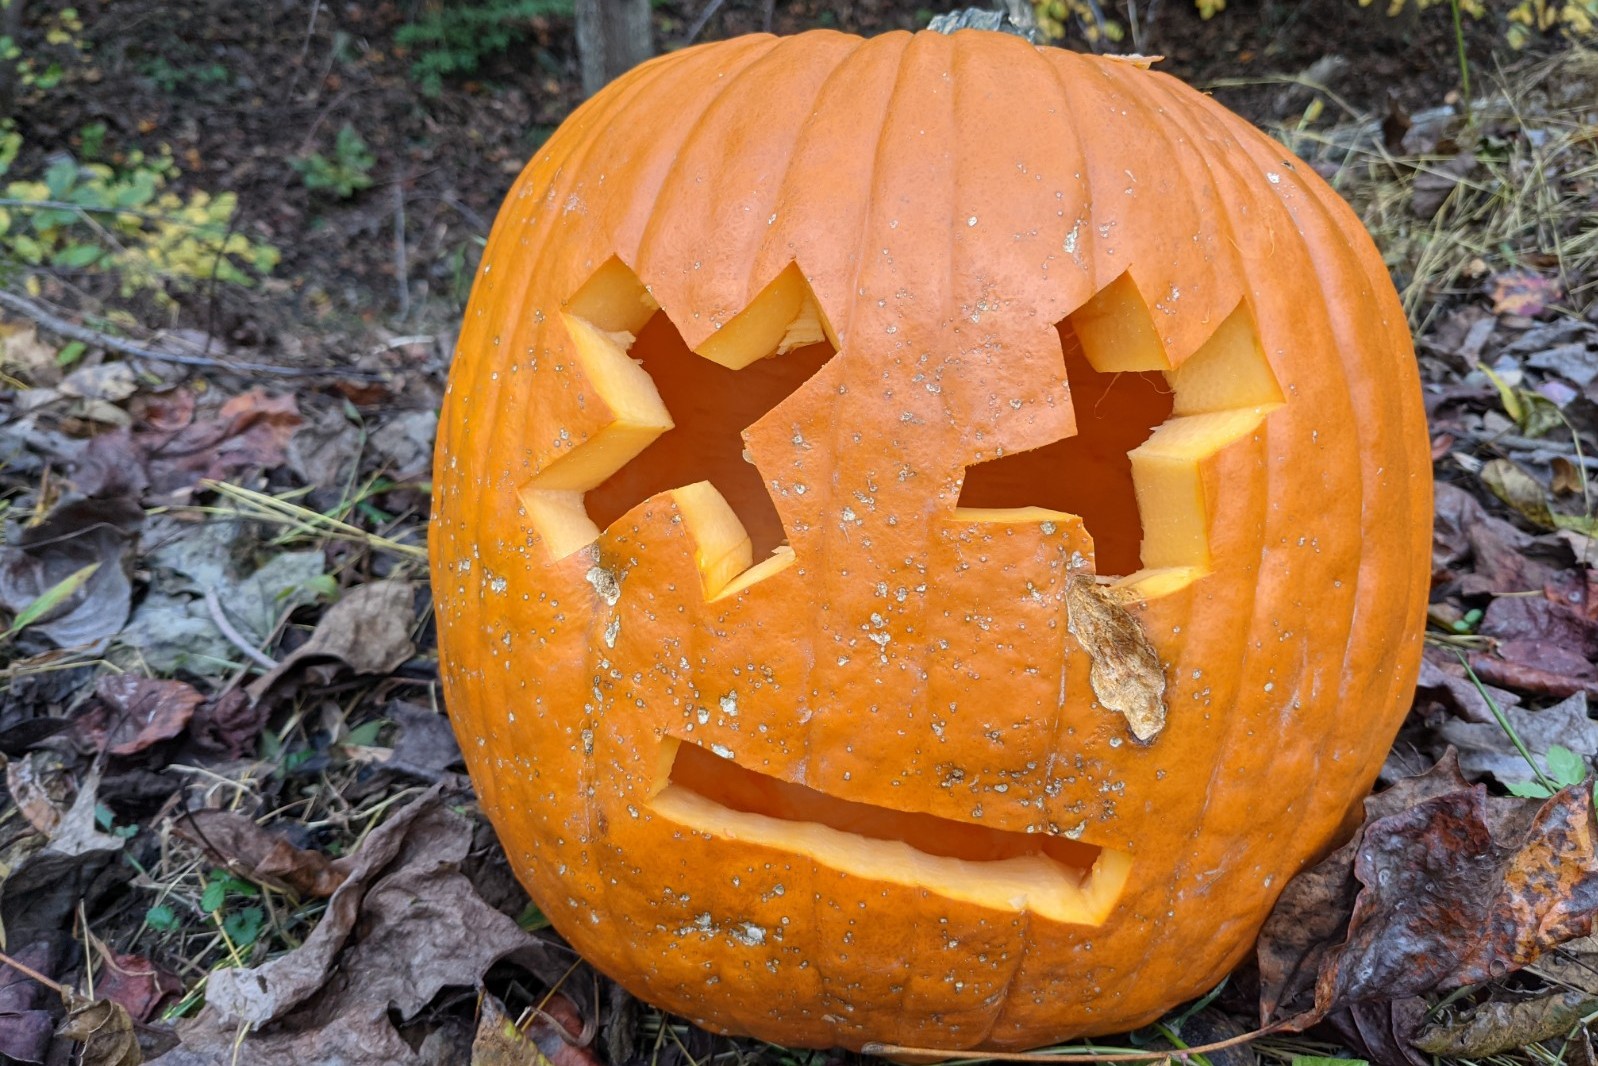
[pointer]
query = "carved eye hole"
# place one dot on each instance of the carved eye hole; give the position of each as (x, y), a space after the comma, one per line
(1133, 469)
(679, 416)
(710, 406)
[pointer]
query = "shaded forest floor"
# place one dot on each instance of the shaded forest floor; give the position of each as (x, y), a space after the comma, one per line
(231, 715)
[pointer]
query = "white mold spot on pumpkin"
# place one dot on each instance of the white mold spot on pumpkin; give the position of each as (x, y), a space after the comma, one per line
(748, 934)
(605, 583)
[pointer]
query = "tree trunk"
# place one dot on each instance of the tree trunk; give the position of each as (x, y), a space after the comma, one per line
(613, 36)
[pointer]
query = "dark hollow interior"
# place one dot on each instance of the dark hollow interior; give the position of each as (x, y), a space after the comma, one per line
(710, 407)
(1087, 474)
(742, 789)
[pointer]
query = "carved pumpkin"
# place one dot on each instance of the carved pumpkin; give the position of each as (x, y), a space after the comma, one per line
(931, 535)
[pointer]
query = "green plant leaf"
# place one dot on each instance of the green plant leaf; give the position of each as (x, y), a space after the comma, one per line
(161, 917)
(214, 895)
(1528, 789)
(243, 926)
(77, 256)
(365, 735)
(1565, 766)
(60, 177)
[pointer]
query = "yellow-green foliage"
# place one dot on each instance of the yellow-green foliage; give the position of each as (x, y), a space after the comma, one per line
(1573, 18)
(125, 223)
(1056, 16)
(1525, 18)
(63, 37)
(122, 223)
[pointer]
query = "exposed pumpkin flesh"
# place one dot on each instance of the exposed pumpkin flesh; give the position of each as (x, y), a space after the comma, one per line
(1054, 877)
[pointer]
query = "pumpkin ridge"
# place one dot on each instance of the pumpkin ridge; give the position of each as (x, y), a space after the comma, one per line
(1358, 259)
(1085, 251)
(816, 631)
(657, 233)
(563, 174)
(1329, 263)
(1259, 608)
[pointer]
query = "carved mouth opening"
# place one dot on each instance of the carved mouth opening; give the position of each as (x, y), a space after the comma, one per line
(1058, 878)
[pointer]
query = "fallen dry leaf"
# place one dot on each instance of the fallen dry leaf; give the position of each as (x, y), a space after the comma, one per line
(367, 632)
(135, 712)
(1502, 1025)
(103, 1028)
(1543, 634)
(140, 986)
(42, 891)
(426, 746)
(249, 432)
(238, 843)
(230, 724)
(1442, 676)
(1573, 964)
(367, 1038)
(1531, 678)
(1567, 479)
(26, 1023)
(554, 1036)
(77, 534)
(423, 927)
(1486, 749)
(1520, 490)
(1525, 293)
(498, 1042)
(40, 787)
(1126, 675)
(1380, 1032)
(1500, 553)
(1442, 887)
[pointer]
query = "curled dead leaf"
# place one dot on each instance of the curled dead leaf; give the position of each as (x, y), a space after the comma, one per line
(103, 1028)
(1442, 887)
(237, 842)
(1126, 675)
(1502, 1025)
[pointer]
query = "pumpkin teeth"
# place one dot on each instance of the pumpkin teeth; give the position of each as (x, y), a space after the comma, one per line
(1055, 876)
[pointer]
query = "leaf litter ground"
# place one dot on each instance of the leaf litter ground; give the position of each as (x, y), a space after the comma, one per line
(238, 828)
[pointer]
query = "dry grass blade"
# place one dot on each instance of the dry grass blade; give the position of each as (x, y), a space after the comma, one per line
(1519, 187)
(305, 522)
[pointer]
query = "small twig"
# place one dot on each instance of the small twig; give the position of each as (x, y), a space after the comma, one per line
(700, 21)
(401, 262)
(72, 331)
(305, 50)
(401, 342)
(234, 637)
(893, 1050)
(29, 971)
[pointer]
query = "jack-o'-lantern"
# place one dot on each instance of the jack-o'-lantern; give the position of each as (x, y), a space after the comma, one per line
(931, 535)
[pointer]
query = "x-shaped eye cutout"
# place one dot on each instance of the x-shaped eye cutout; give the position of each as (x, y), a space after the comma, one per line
(680, 417)
(1133, 471)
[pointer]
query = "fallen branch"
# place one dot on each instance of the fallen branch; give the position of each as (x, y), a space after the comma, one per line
(53, 323)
